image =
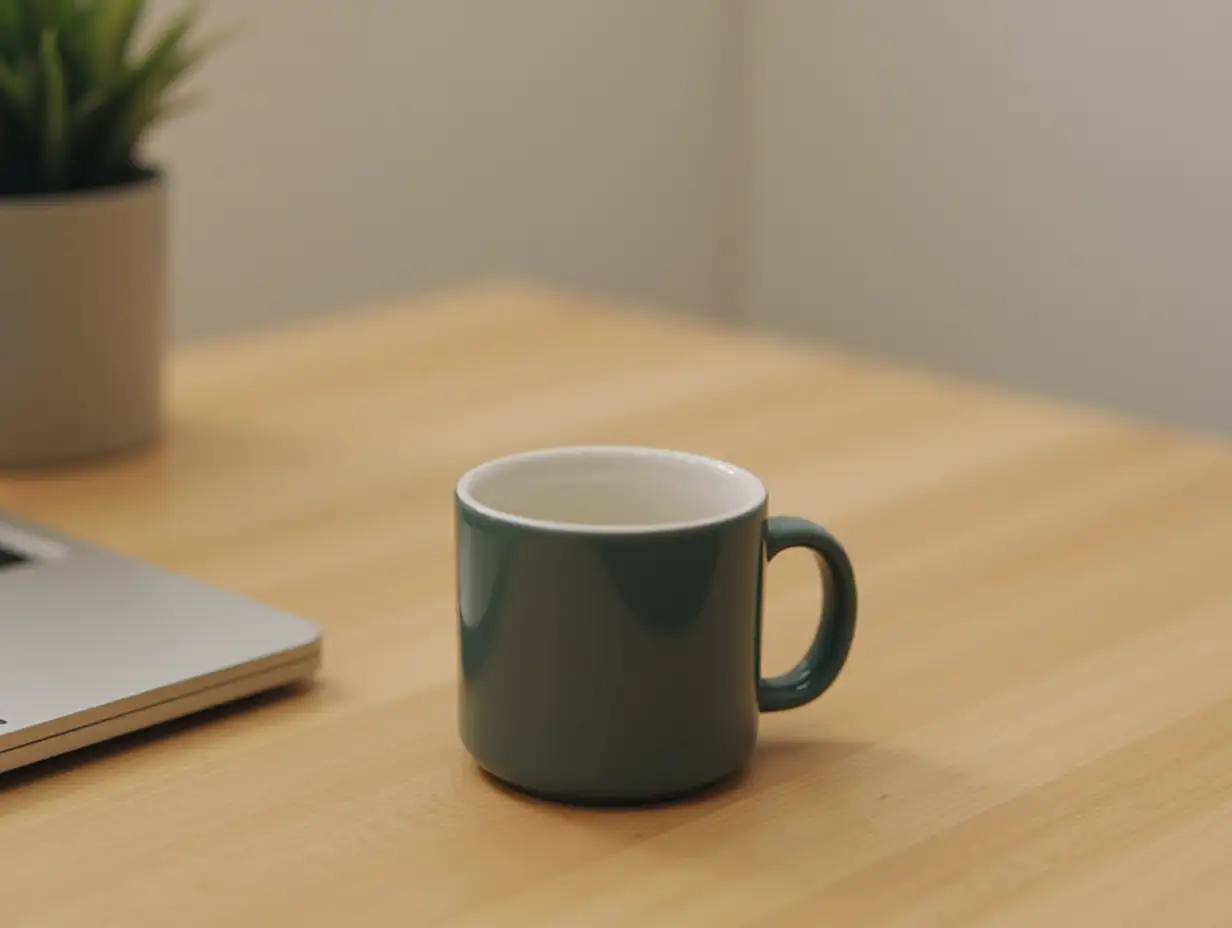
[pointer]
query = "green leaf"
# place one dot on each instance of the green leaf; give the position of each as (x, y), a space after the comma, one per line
(53, 14)
(111, 26)
(55, 119)
(194, 54)
(75, 34)
(6, 157)
(146, 85)
(11, 29)
(89, 105)
(19, 103)
(168, 45)
(13, 86)
(176, 106)
(32, 21)
(76, 94)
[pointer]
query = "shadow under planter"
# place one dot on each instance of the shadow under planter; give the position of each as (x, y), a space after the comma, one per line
(82, 320)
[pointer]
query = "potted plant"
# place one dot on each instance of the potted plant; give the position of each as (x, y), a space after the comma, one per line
(83, 224)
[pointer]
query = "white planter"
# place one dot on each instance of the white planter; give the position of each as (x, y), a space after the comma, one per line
(82, 317)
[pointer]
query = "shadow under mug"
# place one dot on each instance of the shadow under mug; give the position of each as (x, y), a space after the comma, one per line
(609, 610)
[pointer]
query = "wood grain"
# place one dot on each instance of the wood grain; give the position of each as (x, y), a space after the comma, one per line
(1035, 726)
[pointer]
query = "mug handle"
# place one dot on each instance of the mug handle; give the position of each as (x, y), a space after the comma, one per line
(832, 642)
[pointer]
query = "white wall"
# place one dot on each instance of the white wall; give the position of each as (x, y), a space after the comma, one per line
(349, 151)
(1038, 191)
(1034, 192)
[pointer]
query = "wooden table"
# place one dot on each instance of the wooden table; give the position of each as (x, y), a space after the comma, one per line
(1035, 727)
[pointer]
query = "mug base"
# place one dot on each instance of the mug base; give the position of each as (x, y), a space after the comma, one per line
(618, 800)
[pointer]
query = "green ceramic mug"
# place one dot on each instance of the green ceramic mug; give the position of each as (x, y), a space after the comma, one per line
(609, 607)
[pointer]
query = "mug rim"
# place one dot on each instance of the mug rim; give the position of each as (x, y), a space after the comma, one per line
(753, 484)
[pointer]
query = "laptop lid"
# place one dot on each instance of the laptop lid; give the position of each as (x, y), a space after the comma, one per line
(93, 644)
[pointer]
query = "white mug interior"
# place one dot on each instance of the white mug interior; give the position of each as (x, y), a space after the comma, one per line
(610, 489)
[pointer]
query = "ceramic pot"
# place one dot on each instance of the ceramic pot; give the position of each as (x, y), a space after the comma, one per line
(82, 317)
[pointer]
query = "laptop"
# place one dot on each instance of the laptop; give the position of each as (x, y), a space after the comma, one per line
(95, 645)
